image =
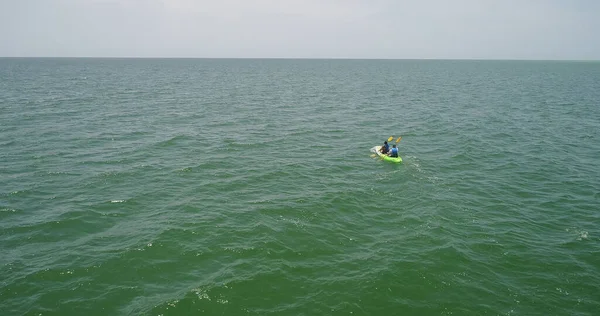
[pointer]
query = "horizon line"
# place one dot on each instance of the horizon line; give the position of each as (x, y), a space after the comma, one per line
(294, 58)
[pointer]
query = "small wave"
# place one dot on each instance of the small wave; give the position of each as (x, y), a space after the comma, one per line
(117, 201)
(172, 141)
(18, 192)
(57, 173)
(583, 235)
(7, 211)
(579, 234)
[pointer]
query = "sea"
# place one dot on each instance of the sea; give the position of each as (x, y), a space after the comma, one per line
(248, 187)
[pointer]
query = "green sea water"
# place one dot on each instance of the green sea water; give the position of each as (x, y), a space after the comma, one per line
(247, 187)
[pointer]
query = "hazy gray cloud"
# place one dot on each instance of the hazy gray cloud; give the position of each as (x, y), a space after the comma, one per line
(531, 29)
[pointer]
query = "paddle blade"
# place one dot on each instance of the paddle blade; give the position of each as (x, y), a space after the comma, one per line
(398, 140)
(390, 139)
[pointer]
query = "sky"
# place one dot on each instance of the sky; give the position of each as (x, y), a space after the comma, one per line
(390, 29)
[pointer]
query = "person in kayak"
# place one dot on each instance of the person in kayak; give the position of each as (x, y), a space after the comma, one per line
(394, 152)
(385, 148)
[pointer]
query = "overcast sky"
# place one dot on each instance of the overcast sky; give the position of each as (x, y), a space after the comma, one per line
(489, 29)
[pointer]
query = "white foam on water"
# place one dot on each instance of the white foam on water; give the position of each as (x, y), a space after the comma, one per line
(583, 235)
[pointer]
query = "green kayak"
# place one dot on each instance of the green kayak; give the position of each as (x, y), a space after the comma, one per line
(386, 157)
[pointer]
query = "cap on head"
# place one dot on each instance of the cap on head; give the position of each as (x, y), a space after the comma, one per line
(393, 146)
(385, 142)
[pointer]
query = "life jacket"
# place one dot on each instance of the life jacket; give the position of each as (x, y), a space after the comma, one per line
(394, 152)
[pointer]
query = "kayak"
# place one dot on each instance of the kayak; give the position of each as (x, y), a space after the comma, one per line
(386, 157)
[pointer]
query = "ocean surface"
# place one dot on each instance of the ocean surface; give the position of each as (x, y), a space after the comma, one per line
(246, 187)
